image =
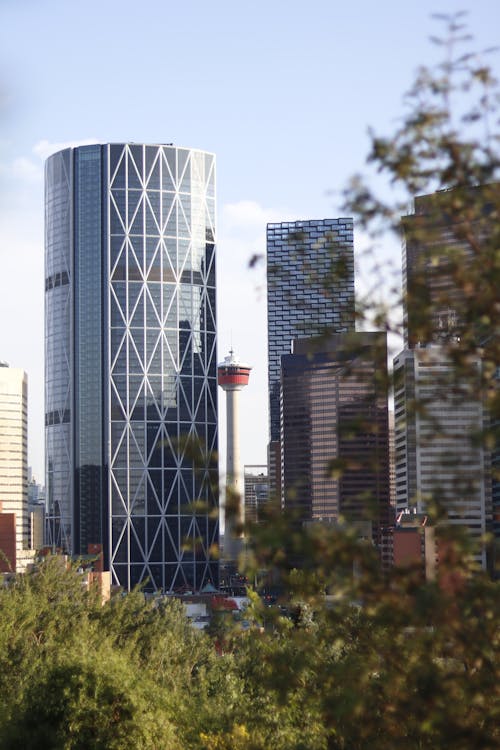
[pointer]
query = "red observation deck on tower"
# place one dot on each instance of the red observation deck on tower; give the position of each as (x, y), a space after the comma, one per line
(232, 374)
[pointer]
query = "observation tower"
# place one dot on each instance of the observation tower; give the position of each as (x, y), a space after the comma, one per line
(232, 376)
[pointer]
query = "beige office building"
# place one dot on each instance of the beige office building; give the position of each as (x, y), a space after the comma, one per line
(437, 458)
(14, 450)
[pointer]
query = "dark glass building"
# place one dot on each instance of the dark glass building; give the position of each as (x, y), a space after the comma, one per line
(131, 377)
(334, 430)
(310, 291)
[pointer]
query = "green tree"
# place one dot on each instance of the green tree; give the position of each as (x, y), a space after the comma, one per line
(75, 673)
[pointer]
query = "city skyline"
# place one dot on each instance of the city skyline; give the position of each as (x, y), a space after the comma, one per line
(282, 97)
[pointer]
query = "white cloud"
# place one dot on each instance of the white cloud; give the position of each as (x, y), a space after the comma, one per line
(45, 148)
(24, 169)
(242, 236)
(28, 170)
(250, 217)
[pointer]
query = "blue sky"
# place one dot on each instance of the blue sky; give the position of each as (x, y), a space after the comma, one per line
(282, 92)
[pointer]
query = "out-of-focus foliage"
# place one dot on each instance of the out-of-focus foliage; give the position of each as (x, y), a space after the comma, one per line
(447, 143)
(367, 660)
(446, 151)
(357, 662)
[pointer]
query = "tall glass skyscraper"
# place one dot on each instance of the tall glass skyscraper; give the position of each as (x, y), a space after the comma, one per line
(131, 376)
(310, 291)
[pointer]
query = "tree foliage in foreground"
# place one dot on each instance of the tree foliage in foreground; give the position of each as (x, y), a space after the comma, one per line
(349, 661)
(375, 663)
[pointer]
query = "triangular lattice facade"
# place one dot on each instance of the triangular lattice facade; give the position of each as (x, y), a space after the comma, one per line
(151, 335)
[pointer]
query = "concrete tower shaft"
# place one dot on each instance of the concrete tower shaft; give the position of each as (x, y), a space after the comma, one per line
(233, 376)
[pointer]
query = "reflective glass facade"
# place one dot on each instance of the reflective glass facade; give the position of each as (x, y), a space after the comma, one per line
(334, 408)
(310, 289)
(59, 348)
(142, 373)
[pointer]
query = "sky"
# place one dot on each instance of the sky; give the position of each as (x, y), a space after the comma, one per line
(283, 92)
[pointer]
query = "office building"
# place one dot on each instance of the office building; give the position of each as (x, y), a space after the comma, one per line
(450, 238)
(13, 463)
(450, 288)
(392, 459)
(310, 291)
(36, 513)
(256, 490)
(412, 541)
(438, 459)
(131, 374)
(36, 492)
(334, 430)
